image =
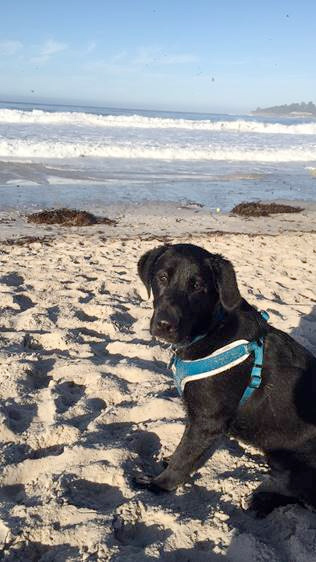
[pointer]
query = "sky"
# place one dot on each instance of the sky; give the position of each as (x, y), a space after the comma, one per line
(185, 55)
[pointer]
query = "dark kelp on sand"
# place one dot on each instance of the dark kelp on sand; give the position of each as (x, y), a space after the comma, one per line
(68, 217)
(258, 209)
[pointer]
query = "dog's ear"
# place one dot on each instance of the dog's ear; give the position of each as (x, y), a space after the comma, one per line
(225, 281)
(145, 266)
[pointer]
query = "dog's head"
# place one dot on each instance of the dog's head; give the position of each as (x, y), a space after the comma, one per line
(187, 283)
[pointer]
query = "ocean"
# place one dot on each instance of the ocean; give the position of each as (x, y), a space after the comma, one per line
(90, 156)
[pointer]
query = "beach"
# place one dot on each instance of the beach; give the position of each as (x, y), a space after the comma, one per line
(86, 396)
(127, 127)
(87, 399)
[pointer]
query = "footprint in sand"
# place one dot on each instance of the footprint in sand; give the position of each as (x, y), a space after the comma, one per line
(92, 495)
(69, 393)
(33, 551)
(79, 410)
(18, 417)
(13, 493)
(23, 301)
(89, 295)
(53, 313)
(92, 409)
(12, 279)
(84, 317)
(13, 453)
(52, 451)
(138, 534)
(123, 321)
(37, 377)
(145, 443)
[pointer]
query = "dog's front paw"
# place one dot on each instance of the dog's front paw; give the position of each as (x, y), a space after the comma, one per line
(165, 461)
(144, 481)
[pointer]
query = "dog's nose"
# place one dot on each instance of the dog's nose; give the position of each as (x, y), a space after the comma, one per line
(165, 323)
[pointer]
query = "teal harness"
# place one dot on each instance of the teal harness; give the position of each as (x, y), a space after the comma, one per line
(220, 361)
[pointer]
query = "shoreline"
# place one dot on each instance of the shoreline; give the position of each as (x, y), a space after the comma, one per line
(159, 219)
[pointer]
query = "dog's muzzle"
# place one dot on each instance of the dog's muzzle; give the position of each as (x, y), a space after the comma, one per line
(165, 326)
(171, 319)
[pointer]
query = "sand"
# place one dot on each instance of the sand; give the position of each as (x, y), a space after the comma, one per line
(86, 400)
(160, 221)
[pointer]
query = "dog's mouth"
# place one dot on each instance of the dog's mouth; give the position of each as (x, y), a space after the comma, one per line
(165, 336)
(172, 339)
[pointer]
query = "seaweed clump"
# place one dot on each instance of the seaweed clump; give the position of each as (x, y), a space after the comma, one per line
(258, 209)
(68, 217)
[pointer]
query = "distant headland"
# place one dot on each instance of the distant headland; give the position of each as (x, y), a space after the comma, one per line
(301, 109)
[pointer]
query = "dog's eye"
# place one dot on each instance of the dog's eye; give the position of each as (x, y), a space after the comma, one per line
(163, 278)
(197, 284)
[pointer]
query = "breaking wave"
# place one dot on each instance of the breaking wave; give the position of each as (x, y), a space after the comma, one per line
(39, 117)
(18, 148)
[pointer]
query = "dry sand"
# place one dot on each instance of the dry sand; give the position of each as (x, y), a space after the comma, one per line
(86, 399)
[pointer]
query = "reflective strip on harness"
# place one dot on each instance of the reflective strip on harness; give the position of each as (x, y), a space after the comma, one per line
(221, 360)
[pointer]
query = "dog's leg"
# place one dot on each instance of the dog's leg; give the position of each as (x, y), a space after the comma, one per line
(196, 441)
(302, 481)
(275, 491)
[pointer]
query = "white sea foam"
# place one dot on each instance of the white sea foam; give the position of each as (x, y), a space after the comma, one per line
(17, 148)
(42, 134)
(39, 117)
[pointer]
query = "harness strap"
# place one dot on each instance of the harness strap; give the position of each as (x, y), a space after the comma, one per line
(255, 377)
(219, 361)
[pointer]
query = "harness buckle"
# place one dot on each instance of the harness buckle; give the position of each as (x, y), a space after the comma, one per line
(265, 315)
(255, 381)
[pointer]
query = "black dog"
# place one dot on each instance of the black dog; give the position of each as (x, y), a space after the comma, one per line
(190, 286)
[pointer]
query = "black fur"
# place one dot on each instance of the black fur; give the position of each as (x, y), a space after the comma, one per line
(189, 284)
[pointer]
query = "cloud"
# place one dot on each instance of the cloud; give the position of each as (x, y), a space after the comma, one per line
(142, 62)
(52, 47)
(48, 50)
(9, 48)
(158, 57)
(119, 57)
(184, 58)
(90, 47)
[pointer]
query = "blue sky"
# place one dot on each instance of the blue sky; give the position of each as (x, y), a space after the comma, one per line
(200, 55)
